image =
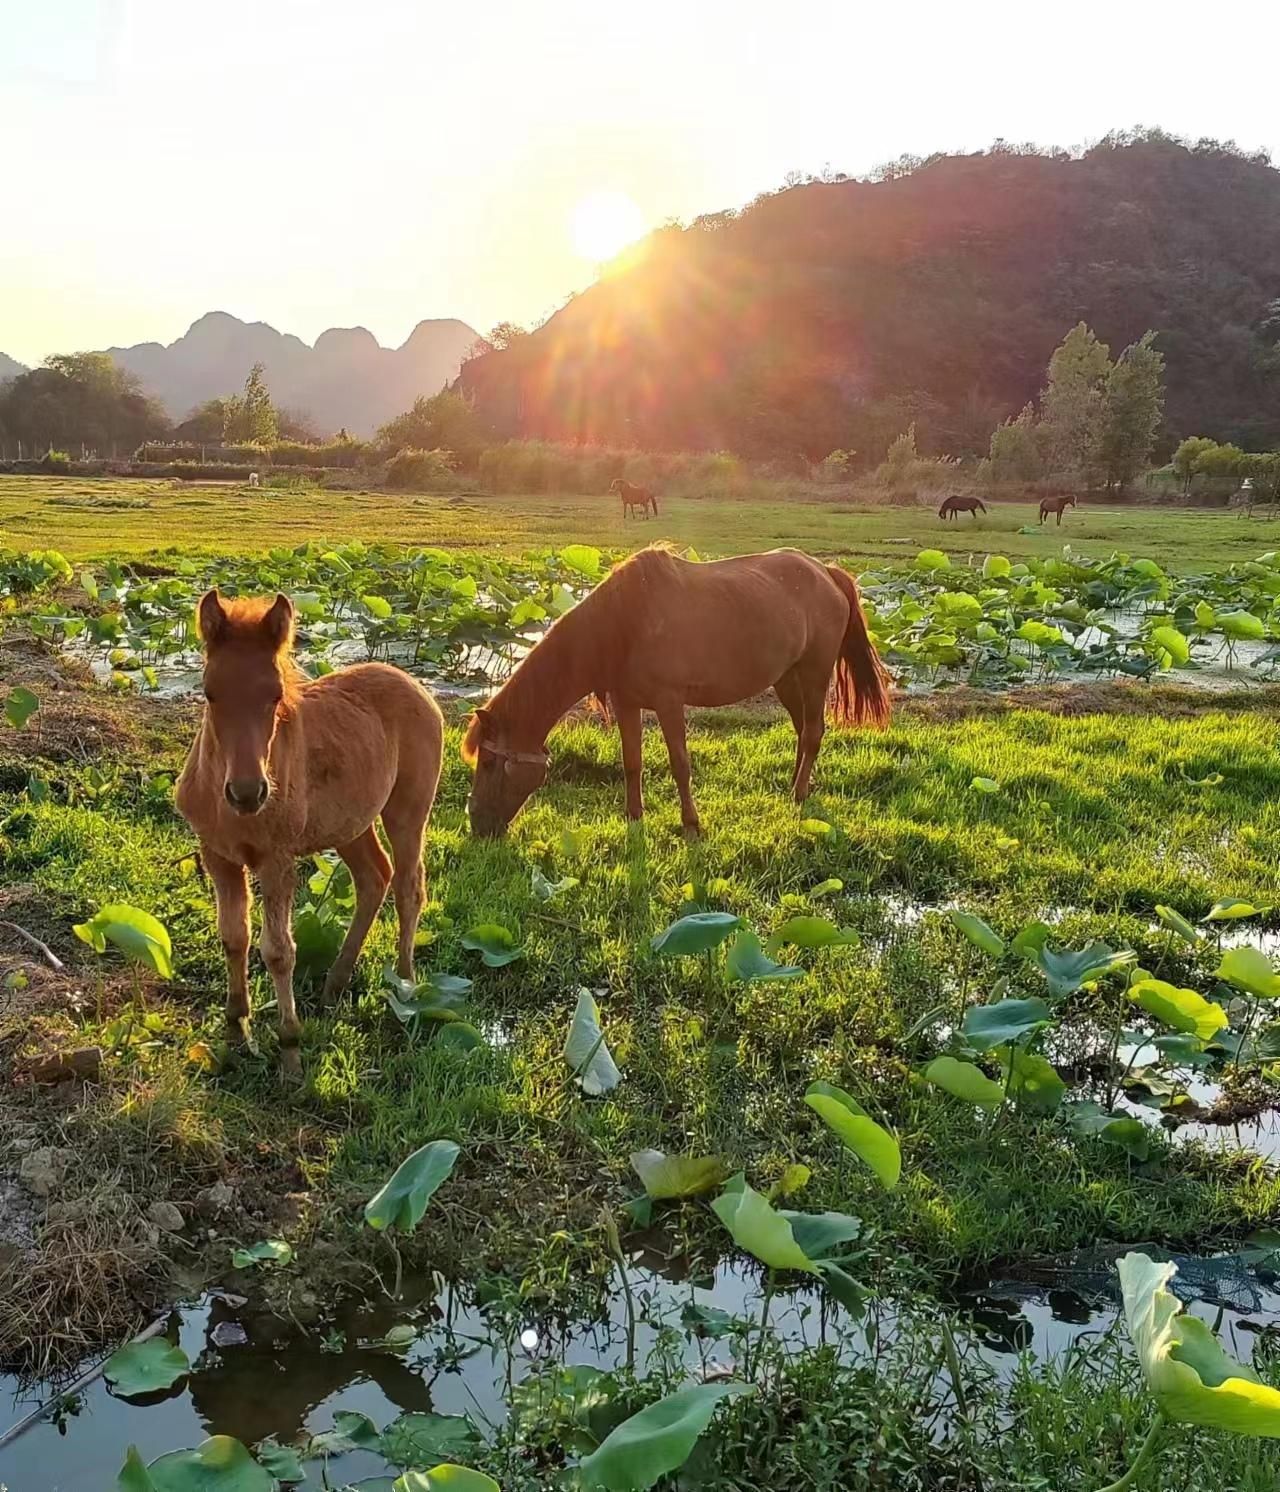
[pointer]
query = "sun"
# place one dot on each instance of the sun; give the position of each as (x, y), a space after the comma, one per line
(604, 224)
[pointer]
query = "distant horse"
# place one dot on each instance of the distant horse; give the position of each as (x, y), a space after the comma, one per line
(284, 767)
(254, 479)
(661, 633)
(1055, 505)
(954, 506)
(634, 497)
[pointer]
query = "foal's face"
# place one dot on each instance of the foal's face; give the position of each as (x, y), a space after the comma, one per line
(244, 689)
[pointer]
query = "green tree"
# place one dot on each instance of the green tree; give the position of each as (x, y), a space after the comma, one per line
(1015, 450)
(250, 418)
(1073, 406)
(1186, 458)
(1134, 407)
(81, 399)
(445, 421)
(1221, 461)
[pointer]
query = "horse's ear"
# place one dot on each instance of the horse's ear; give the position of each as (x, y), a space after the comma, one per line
(211, 620)
(277, 623)
(475, 734)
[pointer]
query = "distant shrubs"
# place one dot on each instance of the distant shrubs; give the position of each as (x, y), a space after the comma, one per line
(55, 460)
(907, 476)
(421, 471)
(342, 451)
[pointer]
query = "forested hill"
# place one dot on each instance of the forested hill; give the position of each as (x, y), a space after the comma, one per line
(830, 314)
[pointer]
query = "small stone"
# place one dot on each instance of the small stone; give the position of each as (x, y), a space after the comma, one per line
(215, 1200)
(42, 1170)
(85, 1063)
(229, 1334)
(165, 1215)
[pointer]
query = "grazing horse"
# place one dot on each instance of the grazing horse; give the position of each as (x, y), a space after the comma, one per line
(954, 506)
(661, 633)
(1055, 505)
(284, 767)
(634, 497)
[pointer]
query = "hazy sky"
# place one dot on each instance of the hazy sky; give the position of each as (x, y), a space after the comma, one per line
(315, 164)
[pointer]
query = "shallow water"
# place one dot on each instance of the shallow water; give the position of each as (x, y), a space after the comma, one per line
(256, 1374)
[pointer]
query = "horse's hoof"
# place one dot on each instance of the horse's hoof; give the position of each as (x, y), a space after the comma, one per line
(290, 1067)
(334, 985)
(692, 833)
(238, 1032)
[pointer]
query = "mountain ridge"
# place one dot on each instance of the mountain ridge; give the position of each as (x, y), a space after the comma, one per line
(345, 379)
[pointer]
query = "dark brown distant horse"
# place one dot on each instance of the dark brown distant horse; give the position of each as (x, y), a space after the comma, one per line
(661, 633)
(634, 497)
(954, 506)
(284, 767)
(1055, 505)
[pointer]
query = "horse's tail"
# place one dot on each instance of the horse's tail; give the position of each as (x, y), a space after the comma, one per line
(861, 693)
(653, 498)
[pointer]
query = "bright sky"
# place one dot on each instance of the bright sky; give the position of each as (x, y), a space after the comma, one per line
(317, 163)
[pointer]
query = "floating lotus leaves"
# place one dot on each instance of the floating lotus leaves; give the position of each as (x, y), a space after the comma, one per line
(585, 1050)
(219, 1464)
(813, 932)
(699, 932)
(1004, 1022)
(1232, 908)
(423, 1440)
(1177, 923)
(748, 961)
(445, 1478)
(759, 1229)
(1250, 969)
(1192, 1379)
(494, 943)
(978, 933)
(135, 933)
(964, 1080)
(145, 1368)
(869, 1141)
(401, 1202)
(671, 1177)
(1067, 969)
(657, 1440)
(1182, 1009)
(282, 1461)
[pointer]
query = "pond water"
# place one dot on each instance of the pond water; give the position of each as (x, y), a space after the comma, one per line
(256, 1373)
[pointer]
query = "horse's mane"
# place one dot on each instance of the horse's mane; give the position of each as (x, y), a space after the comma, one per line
(598, 628)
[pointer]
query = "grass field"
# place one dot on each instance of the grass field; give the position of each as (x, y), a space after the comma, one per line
(100, 518)
(1107, 802)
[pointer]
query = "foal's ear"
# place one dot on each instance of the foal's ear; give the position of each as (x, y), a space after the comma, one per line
(471, 742)
(211, 620)
(277, 623)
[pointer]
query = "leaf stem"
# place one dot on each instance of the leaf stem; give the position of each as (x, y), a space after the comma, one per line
(1145, 1452)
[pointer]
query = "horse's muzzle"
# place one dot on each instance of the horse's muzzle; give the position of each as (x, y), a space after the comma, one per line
(247, 794)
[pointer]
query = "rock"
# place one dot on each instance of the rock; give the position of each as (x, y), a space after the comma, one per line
(84, 1063)
(43, 1170)
(165, 1215)
(229, 1334)
(214, 1200)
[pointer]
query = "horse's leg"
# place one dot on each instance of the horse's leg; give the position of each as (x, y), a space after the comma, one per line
(406, 824)
(671, 719)
(813, 686)
(371, 873)
(790, 693)
(276, 880)
(630, 729)
(231, 889)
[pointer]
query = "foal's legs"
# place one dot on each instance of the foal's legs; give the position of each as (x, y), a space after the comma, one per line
(371, 873)
(231, 888)
(671, 719)
(630, 729)
(406, 825)
(276, 881)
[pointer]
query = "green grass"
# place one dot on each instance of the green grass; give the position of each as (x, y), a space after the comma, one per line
(1092, 827)
(95, 518)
